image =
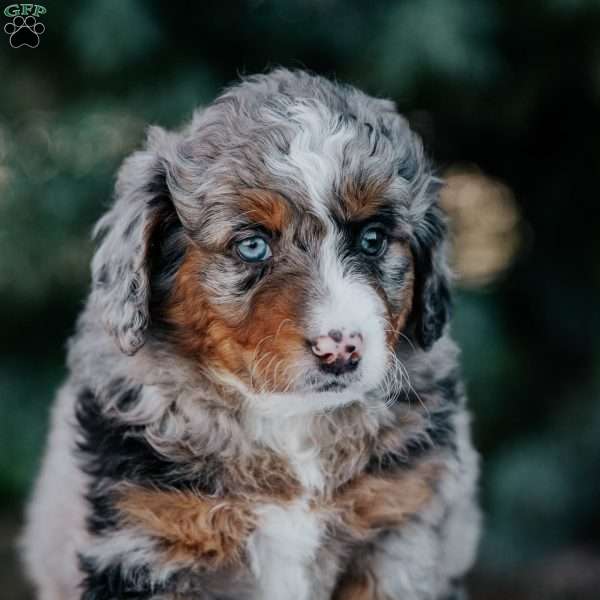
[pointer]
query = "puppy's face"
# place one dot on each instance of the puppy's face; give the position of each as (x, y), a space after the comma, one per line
(287, 298)
(298, 261)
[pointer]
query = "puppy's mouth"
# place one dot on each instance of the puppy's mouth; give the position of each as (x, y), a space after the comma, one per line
(322, 383)
(332, 386)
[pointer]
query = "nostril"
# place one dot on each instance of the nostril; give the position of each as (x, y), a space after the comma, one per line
(336, 335)
(350, 348)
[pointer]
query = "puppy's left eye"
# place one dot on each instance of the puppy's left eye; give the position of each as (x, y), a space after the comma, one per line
(373, 241)
(254, 249)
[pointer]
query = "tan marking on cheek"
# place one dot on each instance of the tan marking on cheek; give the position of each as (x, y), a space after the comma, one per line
(398, 314)
(261, 349)
(399, 318)
(356, 586)
(191, 527)
(371, 503)
(199, 330)
(265, 208)
(275, 345)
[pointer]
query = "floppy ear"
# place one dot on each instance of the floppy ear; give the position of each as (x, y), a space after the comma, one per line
(122, 263)
(432, 303)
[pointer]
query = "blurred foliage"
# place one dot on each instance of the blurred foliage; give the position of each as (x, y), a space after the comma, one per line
(509, 88)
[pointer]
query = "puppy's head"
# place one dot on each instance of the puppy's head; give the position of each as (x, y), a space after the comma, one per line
(287, 241)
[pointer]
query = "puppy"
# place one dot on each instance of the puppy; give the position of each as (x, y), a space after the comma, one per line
(263, 400)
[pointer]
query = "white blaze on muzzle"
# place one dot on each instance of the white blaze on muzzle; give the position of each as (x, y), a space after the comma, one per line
(348, 304)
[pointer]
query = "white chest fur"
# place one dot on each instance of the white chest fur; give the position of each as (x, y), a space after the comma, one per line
(283, 548)
(286, 541)
(291, 438)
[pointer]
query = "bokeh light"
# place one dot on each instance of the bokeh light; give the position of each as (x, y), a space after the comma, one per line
(485, 225)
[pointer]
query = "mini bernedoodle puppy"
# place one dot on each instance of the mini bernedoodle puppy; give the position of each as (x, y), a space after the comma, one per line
(263, 401)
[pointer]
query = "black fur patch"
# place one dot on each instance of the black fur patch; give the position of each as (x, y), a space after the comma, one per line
(451, 388)
(116, 450)
(432, 294)
(112, 452)
(114, 583)
(256, 273)
(166, 251)
(439, 434)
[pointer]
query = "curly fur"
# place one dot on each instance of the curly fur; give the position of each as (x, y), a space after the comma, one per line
(196, 448)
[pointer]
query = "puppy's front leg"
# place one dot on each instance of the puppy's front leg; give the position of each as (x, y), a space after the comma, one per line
(377, 510)
(164, 541)
(409, 563)
(426, 559)
(420, 528)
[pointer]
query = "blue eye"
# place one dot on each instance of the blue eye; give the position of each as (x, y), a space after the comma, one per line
(373, 241)
(254, 249)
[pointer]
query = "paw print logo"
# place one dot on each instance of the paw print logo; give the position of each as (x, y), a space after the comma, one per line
(24, 31)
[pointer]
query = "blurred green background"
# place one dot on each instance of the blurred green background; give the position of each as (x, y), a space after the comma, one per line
(507, 97)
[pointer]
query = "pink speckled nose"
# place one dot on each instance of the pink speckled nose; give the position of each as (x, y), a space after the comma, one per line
(339, 352)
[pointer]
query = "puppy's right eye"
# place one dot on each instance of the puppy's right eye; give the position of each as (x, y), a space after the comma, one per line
(253, 249)
(373, 241)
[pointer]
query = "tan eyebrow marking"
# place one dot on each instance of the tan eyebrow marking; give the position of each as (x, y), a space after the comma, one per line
(360, 199)
(265, 207)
